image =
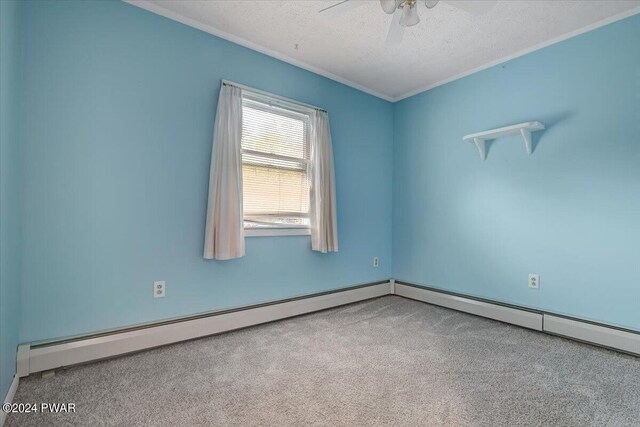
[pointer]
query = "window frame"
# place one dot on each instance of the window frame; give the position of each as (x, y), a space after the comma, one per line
(295, 110)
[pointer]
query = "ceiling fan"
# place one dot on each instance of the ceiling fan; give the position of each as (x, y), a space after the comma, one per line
(405, 12)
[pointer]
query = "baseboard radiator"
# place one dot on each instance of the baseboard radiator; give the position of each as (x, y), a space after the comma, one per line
(53, 355)
(33, 358)
(619, 339)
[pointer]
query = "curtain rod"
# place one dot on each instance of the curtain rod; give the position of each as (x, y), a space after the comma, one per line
(281, 98)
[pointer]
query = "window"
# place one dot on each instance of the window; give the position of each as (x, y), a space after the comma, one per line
(275, 165)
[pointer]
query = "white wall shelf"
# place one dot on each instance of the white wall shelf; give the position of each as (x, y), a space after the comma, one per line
(523, 129)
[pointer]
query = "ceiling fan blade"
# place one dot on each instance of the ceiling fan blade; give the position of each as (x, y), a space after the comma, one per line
(341, 7)
(396, 31)
(474, 7)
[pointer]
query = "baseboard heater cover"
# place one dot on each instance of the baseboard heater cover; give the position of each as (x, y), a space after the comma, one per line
(611, 337)
(43, 357)
(515, 316)
(604, 336)
(38, 358)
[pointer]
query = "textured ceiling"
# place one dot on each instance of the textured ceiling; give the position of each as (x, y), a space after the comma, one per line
(350, 47)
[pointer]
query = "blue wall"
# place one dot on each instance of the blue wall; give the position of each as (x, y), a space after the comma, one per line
(119, 113)
(10, 200)
(570, 211)
(116, 136)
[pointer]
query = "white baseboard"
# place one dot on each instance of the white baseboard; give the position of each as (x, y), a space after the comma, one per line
(9, 397)
(44, 357)
(616, 339)
(526, 319)
(577, 329)
(38, 358)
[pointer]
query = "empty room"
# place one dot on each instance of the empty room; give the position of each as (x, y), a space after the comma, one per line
(327, 213)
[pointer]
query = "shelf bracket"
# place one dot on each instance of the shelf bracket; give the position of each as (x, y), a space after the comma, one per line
(526, 135)
(481, 147)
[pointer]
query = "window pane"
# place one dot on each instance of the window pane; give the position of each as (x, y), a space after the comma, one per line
(270, 132)
(270, 190)
(274, 165)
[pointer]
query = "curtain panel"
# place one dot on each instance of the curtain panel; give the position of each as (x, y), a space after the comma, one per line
(323, 218)
(224, 233)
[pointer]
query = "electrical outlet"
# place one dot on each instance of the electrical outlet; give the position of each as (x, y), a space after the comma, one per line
(375, 262)
(534, 281)
(158, 289)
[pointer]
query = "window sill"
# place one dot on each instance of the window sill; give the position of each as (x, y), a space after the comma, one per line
(270, 232)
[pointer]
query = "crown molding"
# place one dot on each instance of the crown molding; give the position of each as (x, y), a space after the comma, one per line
(574, 33)
(159, 10)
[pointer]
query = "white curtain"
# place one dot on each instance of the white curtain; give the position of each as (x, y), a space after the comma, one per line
(324, 223)
(224, 235)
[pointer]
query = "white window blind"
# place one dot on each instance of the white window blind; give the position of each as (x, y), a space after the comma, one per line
(275, 162)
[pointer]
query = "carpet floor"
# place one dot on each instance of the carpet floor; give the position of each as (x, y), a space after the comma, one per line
(388, 361)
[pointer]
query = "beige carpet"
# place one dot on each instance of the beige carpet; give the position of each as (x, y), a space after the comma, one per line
(389, 361)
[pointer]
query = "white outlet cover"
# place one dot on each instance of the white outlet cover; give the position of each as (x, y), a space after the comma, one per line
(375, 261)
(534, 281)
(158, 289)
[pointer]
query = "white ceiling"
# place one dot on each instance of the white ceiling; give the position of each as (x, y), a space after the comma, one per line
(448, 43)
